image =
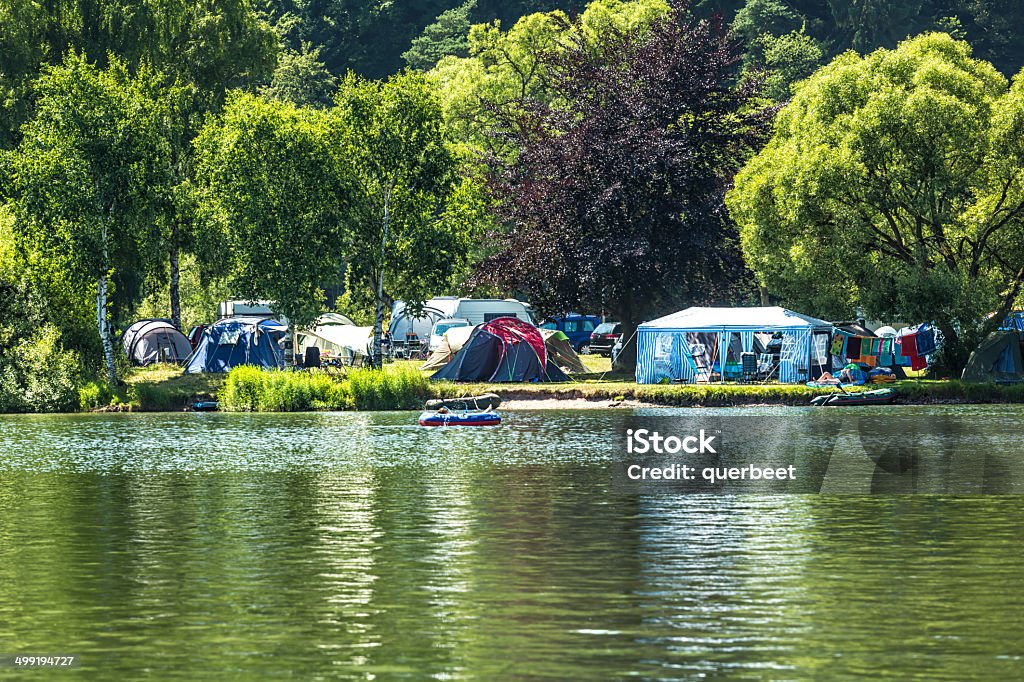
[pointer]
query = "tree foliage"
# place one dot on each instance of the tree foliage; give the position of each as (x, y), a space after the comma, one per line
(505, 67)
(88, 175)
(447, 36)
(215, 46)
(302, 79)
(615, 197)
(407, 223)
(893, 186)
(270, 186)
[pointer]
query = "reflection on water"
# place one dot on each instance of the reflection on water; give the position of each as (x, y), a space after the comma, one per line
(237, 547)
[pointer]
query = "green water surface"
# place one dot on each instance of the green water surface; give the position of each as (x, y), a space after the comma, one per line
(359, 546)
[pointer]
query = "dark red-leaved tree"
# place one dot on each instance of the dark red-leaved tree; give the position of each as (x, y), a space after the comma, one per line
(614, 199)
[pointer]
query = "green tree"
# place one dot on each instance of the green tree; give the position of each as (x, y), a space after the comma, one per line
(202, 48)
(447, 36)
(269, 184)
(787, 59)
(893, 185)
(407, 223)
(302, 79)
(88, 175)
(508, 66)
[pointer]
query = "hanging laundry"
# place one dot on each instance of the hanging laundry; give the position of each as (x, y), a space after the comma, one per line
(853, 348)
(837, 345)
(885, 352)
(869, 360)
(918, 362)
(925, 339)
(908, 340)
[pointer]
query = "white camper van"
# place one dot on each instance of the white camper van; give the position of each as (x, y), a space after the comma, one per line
(227, 309)
(405, 328)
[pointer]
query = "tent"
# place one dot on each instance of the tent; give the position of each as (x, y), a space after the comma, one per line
(560, 351)
(556, 343)
(998, 358)
(238, 341)
(506, 349)
(337, 335)
(451, 343)
(684, 346)
(149, 341)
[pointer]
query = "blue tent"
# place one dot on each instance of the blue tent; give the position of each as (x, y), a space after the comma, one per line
(238, 341)
(685, 346)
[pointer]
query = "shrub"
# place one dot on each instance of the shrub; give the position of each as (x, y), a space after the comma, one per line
(38, 374)
(94, 394)
(250, 389)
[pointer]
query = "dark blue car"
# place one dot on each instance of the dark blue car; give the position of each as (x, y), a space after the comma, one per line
(577, 327)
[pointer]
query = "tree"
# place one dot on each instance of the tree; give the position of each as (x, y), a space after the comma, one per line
(447, 36)
(615, 194)
(214, 45)
(302, 79)
(202, 49)
(88, 173)
(267, 180)
(505, 67)
(786, 59)
(892, 187)
(407, 221)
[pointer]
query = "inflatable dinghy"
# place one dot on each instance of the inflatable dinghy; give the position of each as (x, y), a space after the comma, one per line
(460, 419)
(883, 396)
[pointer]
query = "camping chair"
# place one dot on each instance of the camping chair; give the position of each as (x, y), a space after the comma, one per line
(311, 358)
(698, 362)
(766, 367)
(748, 367)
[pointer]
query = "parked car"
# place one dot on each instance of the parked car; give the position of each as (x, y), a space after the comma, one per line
(577, 327)
(443, 325)
(604, 337)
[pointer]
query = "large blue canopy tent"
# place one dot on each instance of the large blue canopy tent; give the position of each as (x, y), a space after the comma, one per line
(238, 341)
(684, 346)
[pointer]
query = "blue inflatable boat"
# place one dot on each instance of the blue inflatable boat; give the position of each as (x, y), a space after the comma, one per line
(460, 419)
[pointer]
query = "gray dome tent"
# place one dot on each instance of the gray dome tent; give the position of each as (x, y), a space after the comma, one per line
(149, 341)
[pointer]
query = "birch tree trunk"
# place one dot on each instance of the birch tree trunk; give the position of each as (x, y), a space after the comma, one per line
(175, 283)
(378, 320)
(101, 314)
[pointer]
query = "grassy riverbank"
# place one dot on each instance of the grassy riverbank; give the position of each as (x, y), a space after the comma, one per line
(402, 386)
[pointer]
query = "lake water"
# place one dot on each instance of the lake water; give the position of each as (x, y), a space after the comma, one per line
(358, 546)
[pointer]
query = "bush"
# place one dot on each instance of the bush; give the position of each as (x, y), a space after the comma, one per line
(251, 389)
(403, 388)
(38, 375)
(98, 393)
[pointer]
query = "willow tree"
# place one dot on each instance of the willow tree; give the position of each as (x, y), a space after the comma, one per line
(88, 174)
(893, 185)
(406, 227)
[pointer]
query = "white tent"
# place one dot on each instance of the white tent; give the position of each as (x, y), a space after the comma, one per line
(335, 334)
(451, 343)
(684, 346)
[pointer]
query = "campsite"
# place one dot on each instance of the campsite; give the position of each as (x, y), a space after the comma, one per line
(512, 340)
